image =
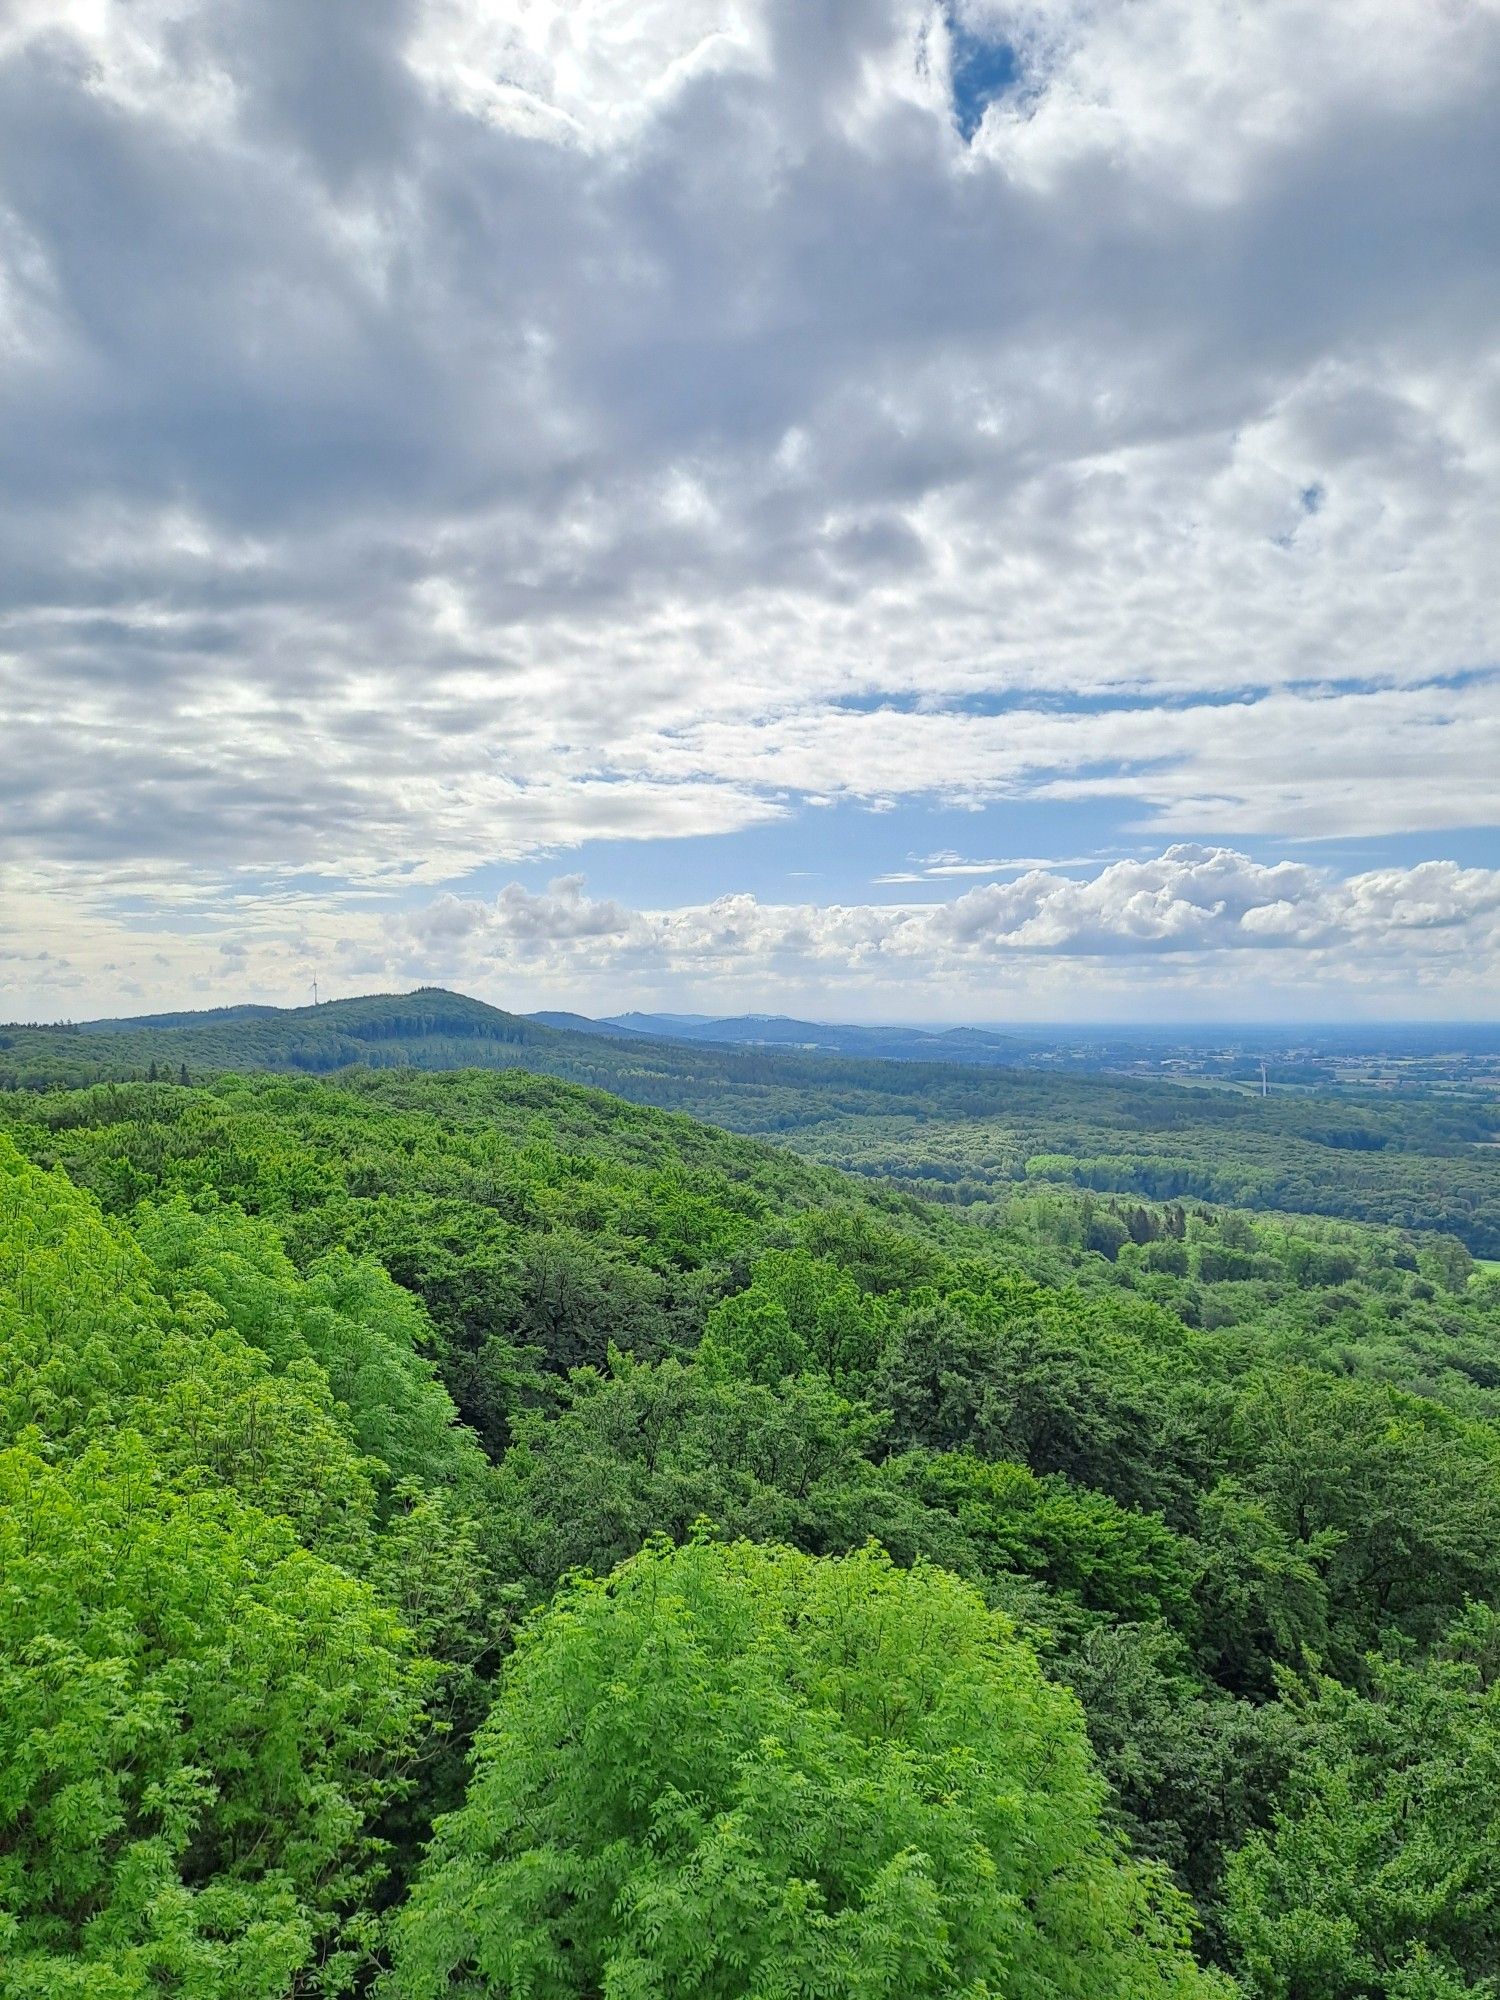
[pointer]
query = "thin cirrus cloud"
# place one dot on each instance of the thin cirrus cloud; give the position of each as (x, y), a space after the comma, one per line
(448, 435)
(945, 865)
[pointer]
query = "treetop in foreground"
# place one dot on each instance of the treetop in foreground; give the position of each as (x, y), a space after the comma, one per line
(740, 1770)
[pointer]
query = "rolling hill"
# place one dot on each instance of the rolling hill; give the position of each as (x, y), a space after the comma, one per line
(960, 1133)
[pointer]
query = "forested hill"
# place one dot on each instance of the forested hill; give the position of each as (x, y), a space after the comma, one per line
(983, 1613)
(770, 1089)
(955, 1134)
(428, 1029)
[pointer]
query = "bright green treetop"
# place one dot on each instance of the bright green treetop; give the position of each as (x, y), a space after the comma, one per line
(738, 1770)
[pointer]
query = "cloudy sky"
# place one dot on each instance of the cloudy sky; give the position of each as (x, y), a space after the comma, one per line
(866, 507)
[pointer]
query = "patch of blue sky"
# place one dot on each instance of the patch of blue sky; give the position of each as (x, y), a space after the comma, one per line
(1127, 700)
(1019, 700)
(982, 67)
(1463, 677)
(921, 851)
(1470, 847)
(834, 853)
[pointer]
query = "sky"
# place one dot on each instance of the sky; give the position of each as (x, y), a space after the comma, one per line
(862, 508)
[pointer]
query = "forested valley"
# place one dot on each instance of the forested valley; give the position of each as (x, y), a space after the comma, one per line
(1425, 1159)
(470, 1533)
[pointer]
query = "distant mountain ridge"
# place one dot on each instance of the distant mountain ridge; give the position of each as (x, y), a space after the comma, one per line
(783, 1031)
(432, 1024)
(434, 1028)
(583, 1024)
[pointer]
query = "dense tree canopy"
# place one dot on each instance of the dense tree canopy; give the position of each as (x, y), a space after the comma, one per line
(738, 1770)
(1167, 1534)
(203, 1708)
(1381, 1872)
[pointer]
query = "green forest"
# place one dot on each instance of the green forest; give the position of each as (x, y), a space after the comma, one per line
(963, 1136)
(466, 1532)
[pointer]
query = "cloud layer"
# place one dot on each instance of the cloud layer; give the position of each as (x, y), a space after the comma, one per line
(445, 433)
(1193, 929)
(1186, 903)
